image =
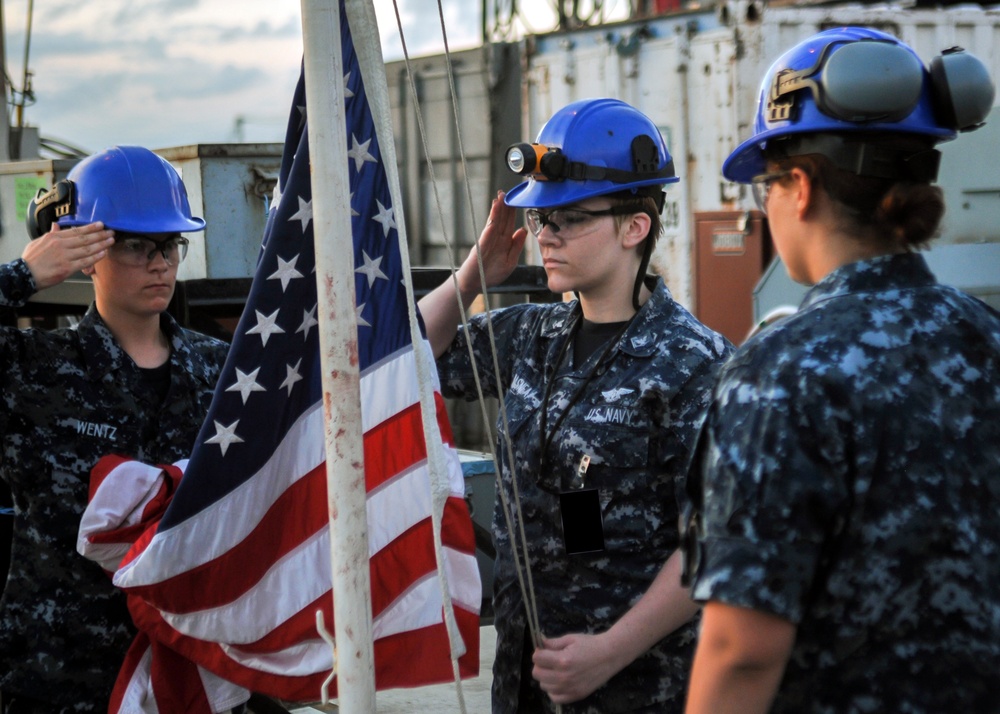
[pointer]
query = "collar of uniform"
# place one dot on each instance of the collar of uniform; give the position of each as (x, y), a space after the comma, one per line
(641, 337)
(100, 349)
(560, 318)
(648, 328)
(886, 272)
(104, 355)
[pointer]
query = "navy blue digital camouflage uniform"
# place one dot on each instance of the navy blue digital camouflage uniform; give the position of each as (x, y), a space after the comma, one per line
(71, 396)
(637, 419)
(848, 480)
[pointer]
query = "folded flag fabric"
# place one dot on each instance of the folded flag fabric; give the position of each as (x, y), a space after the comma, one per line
(127, 498)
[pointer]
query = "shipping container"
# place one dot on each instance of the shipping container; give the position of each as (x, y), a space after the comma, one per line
(696, 74)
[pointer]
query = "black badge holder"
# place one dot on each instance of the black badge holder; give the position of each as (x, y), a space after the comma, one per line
(580, 508)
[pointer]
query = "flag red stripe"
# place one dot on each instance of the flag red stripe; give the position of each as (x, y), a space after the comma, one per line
(411, 556)
(408, 659)
(398, 442)
(300, 512)
(297, 514)
(420, 657)
(177, 684)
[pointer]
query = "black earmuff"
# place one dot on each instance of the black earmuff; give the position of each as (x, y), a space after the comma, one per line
(871, 80)
(49, 206)
(845, 84)
(877, 80)
(963, 90)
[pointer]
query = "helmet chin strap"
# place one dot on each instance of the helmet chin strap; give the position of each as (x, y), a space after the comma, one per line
(647, 252)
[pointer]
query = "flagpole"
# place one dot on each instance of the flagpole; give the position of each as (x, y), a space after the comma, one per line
(324, 75)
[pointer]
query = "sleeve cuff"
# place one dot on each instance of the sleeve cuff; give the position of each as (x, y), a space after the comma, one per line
(16, 283)
(769, 576)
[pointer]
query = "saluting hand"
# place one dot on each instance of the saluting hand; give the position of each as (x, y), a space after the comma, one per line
(500, 245)
(63, 251)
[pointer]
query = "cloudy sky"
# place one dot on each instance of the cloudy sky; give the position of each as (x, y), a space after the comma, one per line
(171, 72)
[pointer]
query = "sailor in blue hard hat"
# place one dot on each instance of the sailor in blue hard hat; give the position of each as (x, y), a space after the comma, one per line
(126, 379)
(603, 395)
(842, 529)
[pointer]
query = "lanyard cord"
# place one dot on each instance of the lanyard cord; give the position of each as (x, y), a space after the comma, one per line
(544, 436)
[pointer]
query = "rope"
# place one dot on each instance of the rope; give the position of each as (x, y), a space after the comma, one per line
(528, 591)
(527, 588)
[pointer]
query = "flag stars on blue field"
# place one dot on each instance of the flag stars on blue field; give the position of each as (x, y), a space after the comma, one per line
(266, 326)
(304, 214)
(384, 217)
(309, 321)
(291, 377)
(362, 322)
(245, 384)
(348, 92)
(286, 272)
(359, 152)
(225, 436)
(275, 197)
(371, 269)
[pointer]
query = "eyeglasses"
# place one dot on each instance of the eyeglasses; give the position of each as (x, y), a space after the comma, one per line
(138, 250)
(761, 186)
(568, 222)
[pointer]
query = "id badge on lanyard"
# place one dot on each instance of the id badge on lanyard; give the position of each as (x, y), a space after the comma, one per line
(580, 509)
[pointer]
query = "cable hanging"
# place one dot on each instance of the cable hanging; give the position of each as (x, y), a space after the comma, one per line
(518, 536)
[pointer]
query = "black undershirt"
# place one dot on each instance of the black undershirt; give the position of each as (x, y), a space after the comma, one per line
(591, 336)
(157, 380)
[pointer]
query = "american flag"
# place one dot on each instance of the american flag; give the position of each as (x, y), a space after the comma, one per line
(239, 564)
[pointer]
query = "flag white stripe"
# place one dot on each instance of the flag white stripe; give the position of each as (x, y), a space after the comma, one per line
(388, 388)
(420, 606)
(300, 452)
(283, 591)
(138, 695)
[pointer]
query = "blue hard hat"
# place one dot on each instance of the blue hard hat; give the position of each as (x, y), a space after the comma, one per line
(129, 188)
(590, 148)
(851, 80)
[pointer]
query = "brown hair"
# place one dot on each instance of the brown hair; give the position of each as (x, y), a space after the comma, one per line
(903, 214)
(643, 204)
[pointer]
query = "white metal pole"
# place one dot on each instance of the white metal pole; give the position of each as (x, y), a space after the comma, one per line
(324, 73)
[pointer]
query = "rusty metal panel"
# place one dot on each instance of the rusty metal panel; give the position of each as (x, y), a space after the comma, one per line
(732, 251)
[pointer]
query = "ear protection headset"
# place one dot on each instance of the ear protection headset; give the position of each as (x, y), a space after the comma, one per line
(878, 80)
(127, 188)
(963, 90)
(851, 93)
(49, 206)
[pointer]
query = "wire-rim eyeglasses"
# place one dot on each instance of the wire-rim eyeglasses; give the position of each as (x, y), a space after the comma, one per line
(761, 186)
(139, 250)
(565, 222)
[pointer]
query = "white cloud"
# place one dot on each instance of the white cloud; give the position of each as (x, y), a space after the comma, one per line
(172, 72)
(159, 72)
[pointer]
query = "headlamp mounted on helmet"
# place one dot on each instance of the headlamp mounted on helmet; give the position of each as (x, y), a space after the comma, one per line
(547, 163)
